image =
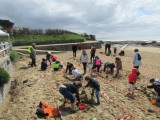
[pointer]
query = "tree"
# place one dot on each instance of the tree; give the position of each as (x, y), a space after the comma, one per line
(6, 24)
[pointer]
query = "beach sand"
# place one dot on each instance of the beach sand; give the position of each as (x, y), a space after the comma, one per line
(30, 86)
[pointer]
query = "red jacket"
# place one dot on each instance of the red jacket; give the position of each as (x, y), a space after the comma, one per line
(133, 76)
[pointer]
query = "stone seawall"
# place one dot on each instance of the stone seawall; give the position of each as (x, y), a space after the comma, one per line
(47, 42)
(68, 46)
(5, 63)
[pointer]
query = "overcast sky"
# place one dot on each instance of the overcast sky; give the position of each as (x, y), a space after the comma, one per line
(110, 19)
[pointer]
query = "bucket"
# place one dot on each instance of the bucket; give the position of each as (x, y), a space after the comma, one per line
(153, 101)
(82, 106)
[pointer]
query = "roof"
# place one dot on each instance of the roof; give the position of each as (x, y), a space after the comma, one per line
(3, 33)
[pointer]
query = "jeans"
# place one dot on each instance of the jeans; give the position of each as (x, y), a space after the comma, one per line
(67, 94)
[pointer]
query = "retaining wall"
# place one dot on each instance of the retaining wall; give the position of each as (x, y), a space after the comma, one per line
(5, 63)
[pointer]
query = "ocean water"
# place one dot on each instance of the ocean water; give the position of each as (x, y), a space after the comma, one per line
(147, 39)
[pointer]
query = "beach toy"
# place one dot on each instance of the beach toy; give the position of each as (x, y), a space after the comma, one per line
(153, 101)
(94, 118)
(82, 106)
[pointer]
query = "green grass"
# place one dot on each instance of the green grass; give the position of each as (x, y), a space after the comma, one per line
(42, 38)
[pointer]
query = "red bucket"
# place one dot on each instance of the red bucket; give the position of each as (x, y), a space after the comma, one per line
(82, 106)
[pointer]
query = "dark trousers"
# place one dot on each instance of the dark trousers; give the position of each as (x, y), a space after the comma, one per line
(84, 67)
(92, 57)
(74, 53)
(33, 62)
(138, 73)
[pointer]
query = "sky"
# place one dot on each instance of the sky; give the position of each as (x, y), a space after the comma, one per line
(107, 19)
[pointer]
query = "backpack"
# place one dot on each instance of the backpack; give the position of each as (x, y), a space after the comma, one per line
(139, 56)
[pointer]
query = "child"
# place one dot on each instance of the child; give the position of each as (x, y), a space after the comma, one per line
(43, 64)
(53, 58)
(122, 53)
(57, 66)
(93, 51)
(67, 90)
(48, 57)
(69, 67)
(118, 64)
(111, 66)
(97, 63)
(76, 74)
(115, 51)
(132, 80)
(95, 87)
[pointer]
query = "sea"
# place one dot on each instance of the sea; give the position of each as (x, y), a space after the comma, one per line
(145, 39)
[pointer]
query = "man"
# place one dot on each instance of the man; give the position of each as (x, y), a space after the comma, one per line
(137, 60)
(67, 90)
(95, 87)
(74, 49)
(155, 83)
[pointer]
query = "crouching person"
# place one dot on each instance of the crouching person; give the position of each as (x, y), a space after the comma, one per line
(44, 64)
(76, 74)
(95, 87)
(110, 66)
(67, 90)
(155, 83)
(57, 66)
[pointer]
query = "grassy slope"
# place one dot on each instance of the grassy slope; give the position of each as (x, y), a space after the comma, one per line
(40, 38)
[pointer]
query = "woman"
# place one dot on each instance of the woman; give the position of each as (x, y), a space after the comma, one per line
(84, 59)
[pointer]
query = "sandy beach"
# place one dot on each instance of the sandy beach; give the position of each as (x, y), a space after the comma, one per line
(30, 86)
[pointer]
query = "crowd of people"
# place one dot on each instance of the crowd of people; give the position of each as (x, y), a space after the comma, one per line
(68, 90)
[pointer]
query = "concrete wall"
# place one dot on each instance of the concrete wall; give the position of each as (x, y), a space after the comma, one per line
(46, 42)
(68, 46)
(5, 63)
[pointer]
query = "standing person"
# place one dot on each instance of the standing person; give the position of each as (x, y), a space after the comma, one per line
(155, 83)
(109, 49)
(74, 49)
(67, 90)
(93, 51)
(132, 80)
(84, 60)
(32, 55)
(69, 67)
(114, 51)
(95, 87)
(137, 60)
(106, 48)
(118, 64)
(97, 63)
(48, 57)
(43, 64)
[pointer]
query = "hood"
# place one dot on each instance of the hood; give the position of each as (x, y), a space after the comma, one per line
(134, 70)
(96, 57)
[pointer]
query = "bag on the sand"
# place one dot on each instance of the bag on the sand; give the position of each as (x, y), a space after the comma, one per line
(139, 57)
(40, 113)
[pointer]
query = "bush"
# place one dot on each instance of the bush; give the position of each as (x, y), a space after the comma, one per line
(13, 55)
(4, 76)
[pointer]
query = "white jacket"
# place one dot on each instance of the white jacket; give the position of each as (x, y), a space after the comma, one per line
(136, 62)
(75, 73)
(84, 58)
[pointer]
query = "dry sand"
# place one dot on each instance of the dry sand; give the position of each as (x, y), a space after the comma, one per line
(23, 99)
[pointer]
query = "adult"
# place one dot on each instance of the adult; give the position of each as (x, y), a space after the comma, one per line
(95, 87)
(137, 60)
(69, 67)
(93, 51)
(67, 90)
(155, 83)
(106, 47)
(32, 52)
(84, 60)
(110, 66)
(74, 49)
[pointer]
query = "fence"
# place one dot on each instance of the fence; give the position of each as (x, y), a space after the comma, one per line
(4, 48)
